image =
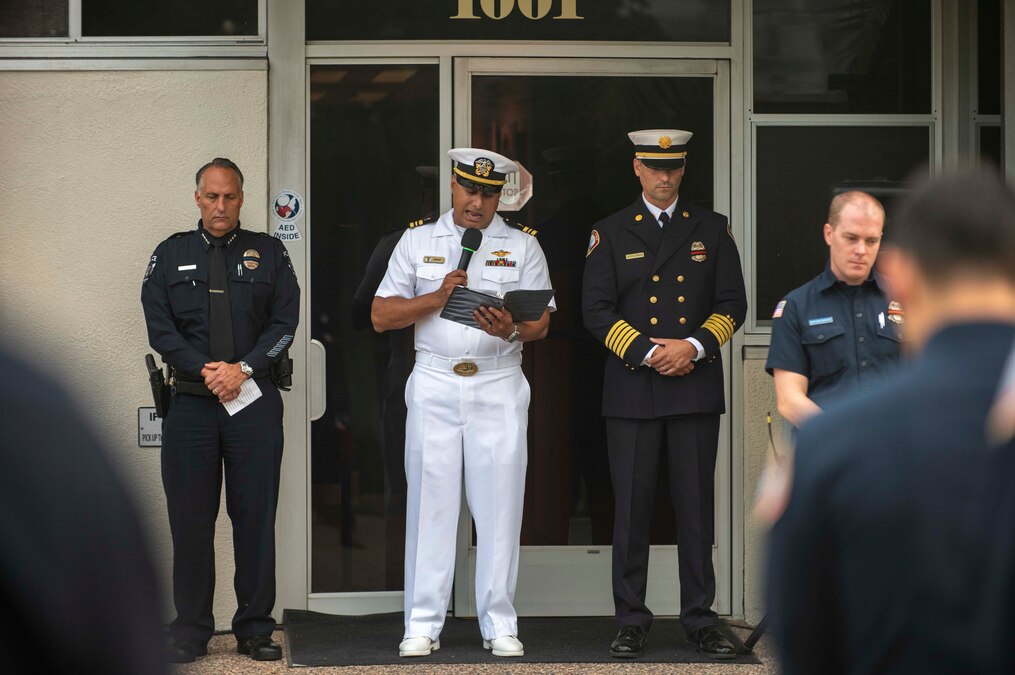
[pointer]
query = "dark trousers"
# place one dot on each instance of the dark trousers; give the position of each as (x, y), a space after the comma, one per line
(198, 439)
(690, 443)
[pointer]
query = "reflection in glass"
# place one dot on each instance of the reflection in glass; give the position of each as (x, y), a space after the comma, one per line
(616, 20)
(571, 134)
(842, 56)
(798, 171)
(38, 18)
(168, 17)
(374, 143)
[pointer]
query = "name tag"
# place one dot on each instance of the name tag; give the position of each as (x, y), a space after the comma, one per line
(819, 322)
(183, 268)
(632, 256)
(435, 259)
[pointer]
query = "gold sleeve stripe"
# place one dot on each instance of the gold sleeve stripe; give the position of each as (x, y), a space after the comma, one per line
(620, 337)
(721, 327)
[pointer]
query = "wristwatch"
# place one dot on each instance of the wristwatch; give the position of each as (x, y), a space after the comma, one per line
(247, 370)
(513, 336)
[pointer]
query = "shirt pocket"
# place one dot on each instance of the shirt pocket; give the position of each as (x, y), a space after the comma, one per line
(254, 290)
(889, 340)
(501, 275)
(826, 349)
(429, 276)
(188, 290)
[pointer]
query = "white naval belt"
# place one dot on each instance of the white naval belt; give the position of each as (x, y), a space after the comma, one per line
(466, 366)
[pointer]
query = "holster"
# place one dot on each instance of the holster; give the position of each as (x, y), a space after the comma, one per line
(282, 372)
(160, 390)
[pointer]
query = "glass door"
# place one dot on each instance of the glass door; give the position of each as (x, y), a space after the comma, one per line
(566, 122)
(374, 144)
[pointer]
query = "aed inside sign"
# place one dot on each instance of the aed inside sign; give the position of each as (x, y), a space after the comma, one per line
(149, 428)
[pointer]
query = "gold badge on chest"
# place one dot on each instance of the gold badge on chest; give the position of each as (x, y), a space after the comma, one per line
(698, 253)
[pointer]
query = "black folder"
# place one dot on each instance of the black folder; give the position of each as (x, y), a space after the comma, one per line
(523, 305)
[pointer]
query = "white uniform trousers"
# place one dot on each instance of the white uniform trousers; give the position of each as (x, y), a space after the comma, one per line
(477, 424)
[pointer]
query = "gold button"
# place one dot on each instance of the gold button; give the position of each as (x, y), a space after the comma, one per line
(653, 321)
(637, 218)
(680, 278)
(655, 277)
(680, 299)
(682, 321)
(653, 299)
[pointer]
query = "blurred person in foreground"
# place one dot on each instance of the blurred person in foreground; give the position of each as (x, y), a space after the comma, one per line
(896, 552)
(78, 591)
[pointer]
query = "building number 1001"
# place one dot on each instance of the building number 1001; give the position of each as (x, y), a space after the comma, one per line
(531, 9)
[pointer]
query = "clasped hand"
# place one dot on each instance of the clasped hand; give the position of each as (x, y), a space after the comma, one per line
(672, 357)
(223, 379)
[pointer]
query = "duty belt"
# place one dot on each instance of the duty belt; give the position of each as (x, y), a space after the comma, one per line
(193, 388)
(467, 366)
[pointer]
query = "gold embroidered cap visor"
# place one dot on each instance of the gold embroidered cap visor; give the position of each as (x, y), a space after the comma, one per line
(479, 169)
(664, 149)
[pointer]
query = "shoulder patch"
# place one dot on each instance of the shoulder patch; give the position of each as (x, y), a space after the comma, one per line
(593, 242)
(422, 221)
(151, 268)
(779, 309)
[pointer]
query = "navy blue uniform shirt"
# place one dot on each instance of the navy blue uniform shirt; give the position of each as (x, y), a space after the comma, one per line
(264, 297)
(840, 337)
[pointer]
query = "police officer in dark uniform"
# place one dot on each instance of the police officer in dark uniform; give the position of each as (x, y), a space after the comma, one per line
(840, 331)
(221, 306)
(663, 290)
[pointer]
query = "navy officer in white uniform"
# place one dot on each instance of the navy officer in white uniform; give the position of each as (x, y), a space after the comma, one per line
(467, 402)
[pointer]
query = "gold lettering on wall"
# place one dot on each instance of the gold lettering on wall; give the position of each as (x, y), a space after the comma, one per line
(530, 9)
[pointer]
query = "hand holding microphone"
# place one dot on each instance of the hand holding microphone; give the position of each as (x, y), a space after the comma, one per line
(471, 241)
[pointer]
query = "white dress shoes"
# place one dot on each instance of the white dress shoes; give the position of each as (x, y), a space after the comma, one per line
(418, 646)
(505, 645)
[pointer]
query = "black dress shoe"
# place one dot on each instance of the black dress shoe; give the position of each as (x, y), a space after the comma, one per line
(629, 643)
(185, 651)
(711, 641)
(260, 648)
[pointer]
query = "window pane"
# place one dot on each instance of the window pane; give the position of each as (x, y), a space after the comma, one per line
(38, 18)
(799, 169)
(374, 141)
(168, 17)
(988, 58)
(842, 56)
(617, 20)
(990, 144)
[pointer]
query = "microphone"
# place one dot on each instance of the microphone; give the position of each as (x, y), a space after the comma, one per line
(470, 244)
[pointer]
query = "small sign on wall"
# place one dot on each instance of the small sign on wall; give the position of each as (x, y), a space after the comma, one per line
(149, 428)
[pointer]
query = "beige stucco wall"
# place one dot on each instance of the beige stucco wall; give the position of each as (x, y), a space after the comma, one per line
(95, 169)
(759, 400)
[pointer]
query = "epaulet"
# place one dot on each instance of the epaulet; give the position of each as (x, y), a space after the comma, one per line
(429, 220)
(179, 234)
(518, 226)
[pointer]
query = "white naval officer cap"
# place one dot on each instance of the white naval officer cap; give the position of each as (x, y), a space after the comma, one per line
(660, 148)
(479, 169)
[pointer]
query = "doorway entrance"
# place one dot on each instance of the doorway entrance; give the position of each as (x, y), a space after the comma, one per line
(376, 163)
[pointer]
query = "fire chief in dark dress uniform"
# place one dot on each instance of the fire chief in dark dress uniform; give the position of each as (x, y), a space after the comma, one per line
(221, 305)
(663, 290)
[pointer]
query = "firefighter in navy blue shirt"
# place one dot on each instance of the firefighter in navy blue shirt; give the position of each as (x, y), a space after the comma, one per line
(221, 306)
(840, 331)
(663, 290)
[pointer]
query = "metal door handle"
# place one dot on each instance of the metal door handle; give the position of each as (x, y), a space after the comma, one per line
(318, 380)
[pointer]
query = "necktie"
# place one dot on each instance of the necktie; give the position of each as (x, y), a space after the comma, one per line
(664, 219)
(221, 317)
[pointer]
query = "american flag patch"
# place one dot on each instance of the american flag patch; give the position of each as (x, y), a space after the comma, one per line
(778, 309)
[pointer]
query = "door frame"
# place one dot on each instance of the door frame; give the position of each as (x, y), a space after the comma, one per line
(581, 585)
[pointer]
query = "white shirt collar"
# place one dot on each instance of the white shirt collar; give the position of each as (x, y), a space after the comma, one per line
(656, 211)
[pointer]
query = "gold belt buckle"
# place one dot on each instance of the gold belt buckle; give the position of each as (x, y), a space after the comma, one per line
(466, 369)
